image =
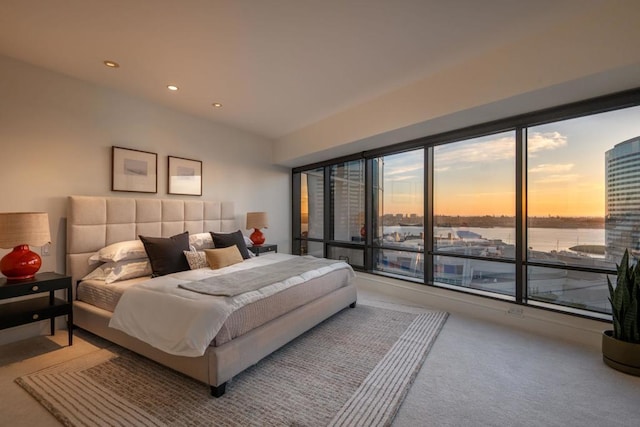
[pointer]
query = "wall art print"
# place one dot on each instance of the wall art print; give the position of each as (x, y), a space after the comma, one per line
(134, 170)
(185, 176)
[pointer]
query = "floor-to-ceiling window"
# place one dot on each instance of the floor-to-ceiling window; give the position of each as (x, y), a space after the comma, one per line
(311, 215)
(474, 213)
(347, 197)
(399, 213)
(536, 209)
(583, 205)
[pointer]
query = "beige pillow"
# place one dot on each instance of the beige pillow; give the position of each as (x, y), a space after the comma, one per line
(223, 257)
(201, 241)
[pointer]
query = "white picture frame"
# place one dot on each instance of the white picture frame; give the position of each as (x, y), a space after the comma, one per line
(185, 176)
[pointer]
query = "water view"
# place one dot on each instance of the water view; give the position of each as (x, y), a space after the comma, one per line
(539, 239)
(581, 247)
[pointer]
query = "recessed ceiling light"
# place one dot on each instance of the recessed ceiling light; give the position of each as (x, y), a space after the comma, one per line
(217, 104)
(111, 64)
(172, 87)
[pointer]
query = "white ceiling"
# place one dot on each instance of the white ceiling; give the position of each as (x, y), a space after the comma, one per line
(275, 65)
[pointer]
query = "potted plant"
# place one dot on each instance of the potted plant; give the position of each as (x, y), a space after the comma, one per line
(621, 346)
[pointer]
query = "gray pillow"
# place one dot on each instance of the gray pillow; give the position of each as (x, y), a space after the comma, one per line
(224, 240)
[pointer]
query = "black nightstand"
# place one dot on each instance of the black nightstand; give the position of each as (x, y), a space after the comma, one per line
(35, 309)
(263, 249)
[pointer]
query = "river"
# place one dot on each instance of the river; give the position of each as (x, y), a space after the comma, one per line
(539, 239)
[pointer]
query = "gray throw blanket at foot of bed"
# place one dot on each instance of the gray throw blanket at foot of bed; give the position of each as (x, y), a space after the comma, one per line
(240, 282)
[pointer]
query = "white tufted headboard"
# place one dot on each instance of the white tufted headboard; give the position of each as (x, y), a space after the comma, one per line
(95, 222)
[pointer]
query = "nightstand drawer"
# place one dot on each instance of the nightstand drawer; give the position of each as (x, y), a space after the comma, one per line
(47, 282)
(31, 310)
(263, 249)
(268, 248)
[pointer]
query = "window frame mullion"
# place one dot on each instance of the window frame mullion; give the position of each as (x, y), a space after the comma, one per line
(429, 222)
(521, 215)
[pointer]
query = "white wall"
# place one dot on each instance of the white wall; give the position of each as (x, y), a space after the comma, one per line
(594, 54)
(56, 135)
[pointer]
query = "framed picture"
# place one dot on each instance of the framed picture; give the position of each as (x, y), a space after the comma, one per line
(185, 176)
(134, 170)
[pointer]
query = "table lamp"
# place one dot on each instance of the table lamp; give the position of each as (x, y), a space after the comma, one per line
(257, 220)
(18, 230)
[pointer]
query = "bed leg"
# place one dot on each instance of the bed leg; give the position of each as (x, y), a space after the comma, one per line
(217, 391)
(352, 305)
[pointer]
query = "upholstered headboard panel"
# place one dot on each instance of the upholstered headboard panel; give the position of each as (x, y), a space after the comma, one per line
(95, 222)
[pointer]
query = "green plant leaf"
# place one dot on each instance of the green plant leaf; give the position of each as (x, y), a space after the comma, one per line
(625, 301)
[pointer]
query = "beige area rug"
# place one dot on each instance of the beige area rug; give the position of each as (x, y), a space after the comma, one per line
(353, 369)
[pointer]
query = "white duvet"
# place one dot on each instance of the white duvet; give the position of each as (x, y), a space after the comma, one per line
(184, 323)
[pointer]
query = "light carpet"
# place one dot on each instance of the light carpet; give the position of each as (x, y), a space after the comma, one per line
(354, 369)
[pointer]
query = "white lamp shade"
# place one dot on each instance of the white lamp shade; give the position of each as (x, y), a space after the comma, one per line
(24, 228)
(257, 220)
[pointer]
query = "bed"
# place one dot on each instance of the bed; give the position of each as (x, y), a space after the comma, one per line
(94, 223)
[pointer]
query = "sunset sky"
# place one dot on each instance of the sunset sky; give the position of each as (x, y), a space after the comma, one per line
(476, 177)
(566, 162)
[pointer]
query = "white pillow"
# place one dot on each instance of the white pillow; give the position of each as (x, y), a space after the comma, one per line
(249, 243)
(201, 241)
(196, 259)
(120, 251)
(116, 271)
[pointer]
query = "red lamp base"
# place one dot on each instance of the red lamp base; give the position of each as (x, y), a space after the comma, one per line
(257, 237)
(20, 264)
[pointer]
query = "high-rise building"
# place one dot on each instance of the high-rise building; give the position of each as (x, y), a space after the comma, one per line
(622, 215)
(347, 190)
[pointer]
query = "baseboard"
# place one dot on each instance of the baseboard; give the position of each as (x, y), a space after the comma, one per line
(562, 326)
